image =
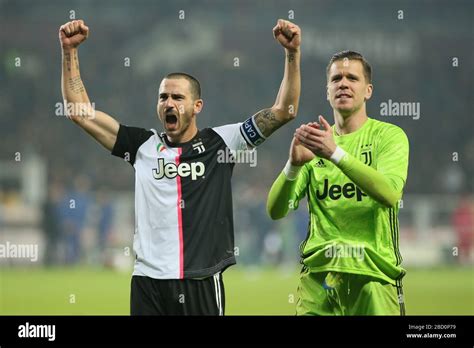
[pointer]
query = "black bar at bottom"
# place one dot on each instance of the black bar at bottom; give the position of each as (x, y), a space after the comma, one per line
(416, 330)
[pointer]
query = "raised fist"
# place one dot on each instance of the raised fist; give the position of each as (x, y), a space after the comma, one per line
(72, 34)
(287, 34)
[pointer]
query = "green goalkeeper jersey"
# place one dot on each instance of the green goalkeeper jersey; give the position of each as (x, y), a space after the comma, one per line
(349, 230)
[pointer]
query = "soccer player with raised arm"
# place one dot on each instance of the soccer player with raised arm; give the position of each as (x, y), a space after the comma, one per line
(353, 174)
(184, 236)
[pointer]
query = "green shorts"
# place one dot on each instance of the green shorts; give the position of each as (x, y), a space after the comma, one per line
(335, 293)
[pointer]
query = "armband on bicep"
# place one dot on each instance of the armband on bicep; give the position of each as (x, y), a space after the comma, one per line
(251, 133)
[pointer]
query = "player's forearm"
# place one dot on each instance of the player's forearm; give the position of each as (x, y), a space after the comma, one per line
(72, 87)
(286, 104)
(280, 197)
(369, 180)
(288, 96)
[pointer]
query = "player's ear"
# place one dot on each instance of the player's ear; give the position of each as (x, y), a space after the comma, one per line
(198, 105)
(327, 92)
(368, 91)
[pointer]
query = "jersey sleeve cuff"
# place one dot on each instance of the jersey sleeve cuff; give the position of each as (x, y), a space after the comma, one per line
(338, 155)
(291, 172)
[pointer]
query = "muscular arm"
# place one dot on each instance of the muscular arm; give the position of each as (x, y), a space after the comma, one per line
(261, 125)
(286, 103)
(99, 125)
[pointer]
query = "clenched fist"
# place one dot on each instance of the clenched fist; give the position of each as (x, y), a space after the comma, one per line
(72, 34)
(287, 34)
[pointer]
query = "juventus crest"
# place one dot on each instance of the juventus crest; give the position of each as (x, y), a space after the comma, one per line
(366, 154)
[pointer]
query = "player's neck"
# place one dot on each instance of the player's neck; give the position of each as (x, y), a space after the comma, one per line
(349, 123)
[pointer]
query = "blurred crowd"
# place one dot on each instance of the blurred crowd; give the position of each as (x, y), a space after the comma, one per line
(66, 213)
(441, 142)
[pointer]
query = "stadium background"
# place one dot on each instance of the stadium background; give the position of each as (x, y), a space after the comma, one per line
(422, 54)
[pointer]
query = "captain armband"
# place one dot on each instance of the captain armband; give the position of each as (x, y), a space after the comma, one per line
(252, 135)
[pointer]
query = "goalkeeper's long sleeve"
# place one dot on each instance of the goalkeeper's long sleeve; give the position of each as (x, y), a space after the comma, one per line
(386, 189)
(281, 196)
(383, 189)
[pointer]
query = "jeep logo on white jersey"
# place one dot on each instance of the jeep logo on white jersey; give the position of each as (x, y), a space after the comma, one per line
(171, 170)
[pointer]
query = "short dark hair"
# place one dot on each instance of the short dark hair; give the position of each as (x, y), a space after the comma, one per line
(352, 55)
(195, 85)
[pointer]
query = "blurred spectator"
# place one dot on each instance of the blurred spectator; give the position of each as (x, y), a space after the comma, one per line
(272, 248)
(73, 212)
(50, 224)
(463, 222)
(105, 223)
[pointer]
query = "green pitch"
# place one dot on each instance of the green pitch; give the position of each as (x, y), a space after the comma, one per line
(82, 291)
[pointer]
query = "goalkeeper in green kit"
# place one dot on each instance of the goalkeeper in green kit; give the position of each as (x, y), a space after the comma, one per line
(353, 174)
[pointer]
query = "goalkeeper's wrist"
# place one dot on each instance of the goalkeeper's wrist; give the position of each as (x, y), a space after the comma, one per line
(291, 171)
(337, 155)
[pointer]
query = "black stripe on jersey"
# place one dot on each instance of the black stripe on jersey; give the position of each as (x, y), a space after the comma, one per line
(391, 232)
(207, 215)
(394, 235)
(303, 243)
(401, 275)
(400, 297)
(398, 238)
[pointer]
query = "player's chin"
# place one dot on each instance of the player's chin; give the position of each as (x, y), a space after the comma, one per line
(172, 131)
(344, 107)
(344, 102)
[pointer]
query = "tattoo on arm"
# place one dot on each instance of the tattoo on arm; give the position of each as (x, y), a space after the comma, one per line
(75, 84)
(76, 61)
(267, 122)
(291, 57)
(67, 57)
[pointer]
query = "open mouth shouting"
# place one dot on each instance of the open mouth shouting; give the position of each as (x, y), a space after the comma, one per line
(171, 120)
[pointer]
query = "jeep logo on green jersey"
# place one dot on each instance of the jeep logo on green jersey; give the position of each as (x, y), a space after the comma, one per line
(171, 170)
(335, 192)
